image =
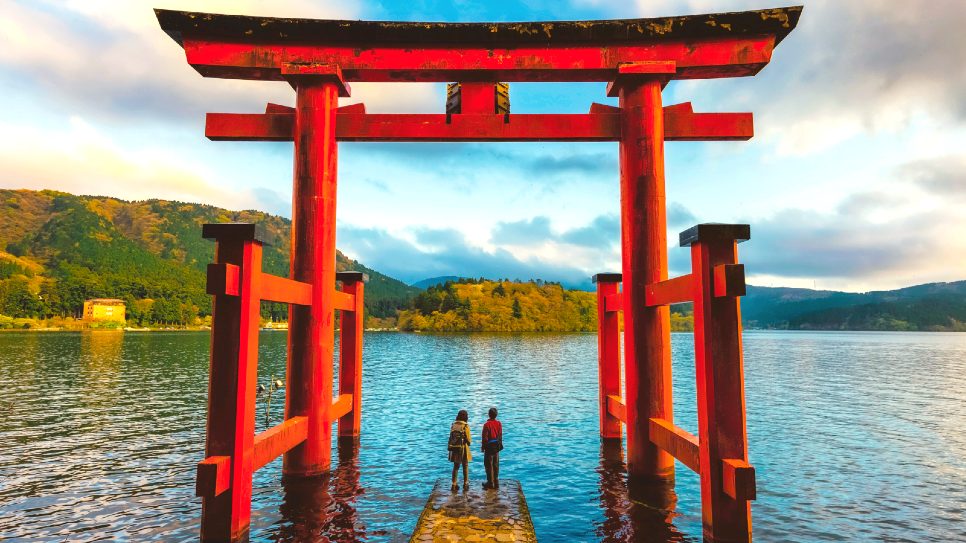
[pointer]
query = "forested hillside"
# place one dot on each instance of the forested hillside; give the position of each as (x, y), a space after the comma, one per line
(479, 305)
(476, 306)
(57, 250)
(929, 307)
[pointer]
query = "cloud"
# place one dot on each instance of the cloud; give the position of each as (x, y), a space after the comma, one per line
(893, 236)
(679, 217)
(114, 62)
(80, 159)
(548, 165)
(450, 254)
(526, 232)
(943, 176)
(603, 232)
(849, 68)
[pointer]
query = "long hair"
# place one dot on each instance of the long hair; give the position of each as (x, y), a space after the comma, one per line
(463, 416)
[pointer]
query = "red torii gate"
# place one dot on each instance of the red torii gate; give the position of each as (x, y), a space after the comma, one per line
(637, 57)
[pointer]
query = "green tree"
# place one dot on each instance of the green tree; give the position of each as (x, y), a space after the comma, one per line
(517, 310)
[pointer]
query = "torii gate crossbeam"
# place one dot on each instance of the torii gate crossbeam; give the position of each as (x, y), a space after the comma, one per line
(637, 57)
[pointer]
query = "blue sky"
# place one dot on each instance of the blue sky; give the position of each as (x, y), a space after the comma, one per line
(855, 178)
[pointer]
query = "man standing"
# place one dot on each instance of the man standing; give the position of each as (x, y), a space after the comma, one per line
(492, 444)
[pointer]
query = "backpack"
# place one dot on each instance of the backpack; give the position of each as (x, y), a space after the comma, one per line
(457, 439)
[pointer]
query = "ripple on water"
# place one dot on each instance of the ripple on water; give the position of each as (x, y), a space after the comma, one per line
(855, 437)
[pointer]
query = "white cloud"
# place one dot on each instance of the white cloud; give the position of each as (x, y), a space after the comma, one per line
(80, 159)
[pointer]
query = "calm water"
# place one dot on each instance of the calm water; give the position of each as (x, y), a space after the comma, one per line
(855, 436)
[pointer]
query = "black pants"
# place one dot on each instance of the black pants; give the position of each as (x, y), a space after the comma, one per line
(491, 461)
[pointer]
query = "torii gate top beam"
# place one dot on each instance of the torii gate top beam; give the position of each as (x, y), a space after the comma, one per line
(702, 46)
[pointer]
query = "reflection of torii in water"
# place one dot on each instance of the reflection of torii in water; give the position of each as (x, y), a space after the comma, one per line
(637, 57)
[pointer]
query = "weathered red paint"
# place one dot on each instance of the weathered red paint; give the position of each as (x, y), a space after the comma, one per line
(720, 383)
(647, 336)
(350, 354)
(681, 124)
(700, 59)
(311, 328)
(608, 354)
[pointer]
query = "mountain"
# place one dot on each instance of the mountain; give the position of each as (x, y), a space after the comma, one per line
(932, 306)
(435, 281)
(58, 249)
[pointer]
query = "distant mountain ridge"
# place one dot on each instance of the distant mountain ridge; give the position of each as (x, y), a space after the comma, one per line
(58, 249)
(931, 306)
(435, 281)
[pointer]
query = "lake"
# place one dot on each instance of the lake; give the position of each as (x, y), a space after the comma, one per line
(855, 437)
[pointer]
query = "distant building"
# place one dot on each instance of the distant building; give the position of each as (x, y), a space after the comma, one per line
(104, 309)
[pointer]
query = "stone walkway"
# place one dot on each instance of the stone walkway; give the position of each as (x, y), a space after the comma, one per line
(475, 515)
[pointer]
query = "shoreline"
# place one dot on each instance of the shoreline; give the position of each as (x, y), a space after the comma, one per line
(434, 332)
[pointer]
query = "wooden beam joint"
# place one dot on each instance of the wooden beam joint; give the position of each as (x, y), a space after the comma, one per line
(677, 442)
(616, 407)
(632, 73)
(309, 71)
(738, 479)
(729, 280)
(279, 439)
(672, 291)
(214, 476)
(613, 302)
(341, 406)
(284, 290)
(223, 279)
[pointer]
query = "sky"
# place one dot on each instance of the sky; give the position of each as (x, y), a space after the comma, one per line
(855, 179)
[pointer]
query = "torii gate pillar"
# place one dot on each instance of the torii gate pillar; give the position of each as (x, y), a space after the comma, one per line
(647, 336)
(312, 328)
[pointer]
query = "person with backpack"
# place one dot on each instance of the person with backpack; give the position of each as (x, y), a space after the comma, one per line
(492, 445)
(459, 448)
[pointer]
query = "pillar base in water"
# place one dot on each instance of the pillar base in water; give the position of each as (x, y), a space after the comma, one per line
(475, 515)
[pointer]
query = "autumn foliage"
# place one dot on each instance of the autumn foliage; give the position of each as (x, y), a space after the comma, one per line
(501, 306)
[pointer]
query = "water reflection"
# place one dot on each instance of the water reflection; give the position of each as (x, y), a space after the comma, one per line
(323, 508)
(633, 511)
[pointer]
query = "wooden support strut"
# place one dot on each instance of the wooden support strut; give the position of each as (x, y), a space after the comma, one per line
(608, 356)
(225, 477)
(234, 454)
(351, 328)
(727, 481)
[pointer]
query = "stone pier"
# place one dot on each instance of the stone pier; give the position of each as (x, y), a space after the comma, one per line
(475, 515)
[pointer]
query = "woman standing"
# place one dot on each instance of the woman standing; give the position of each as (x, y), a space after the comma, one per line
(459, 447)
